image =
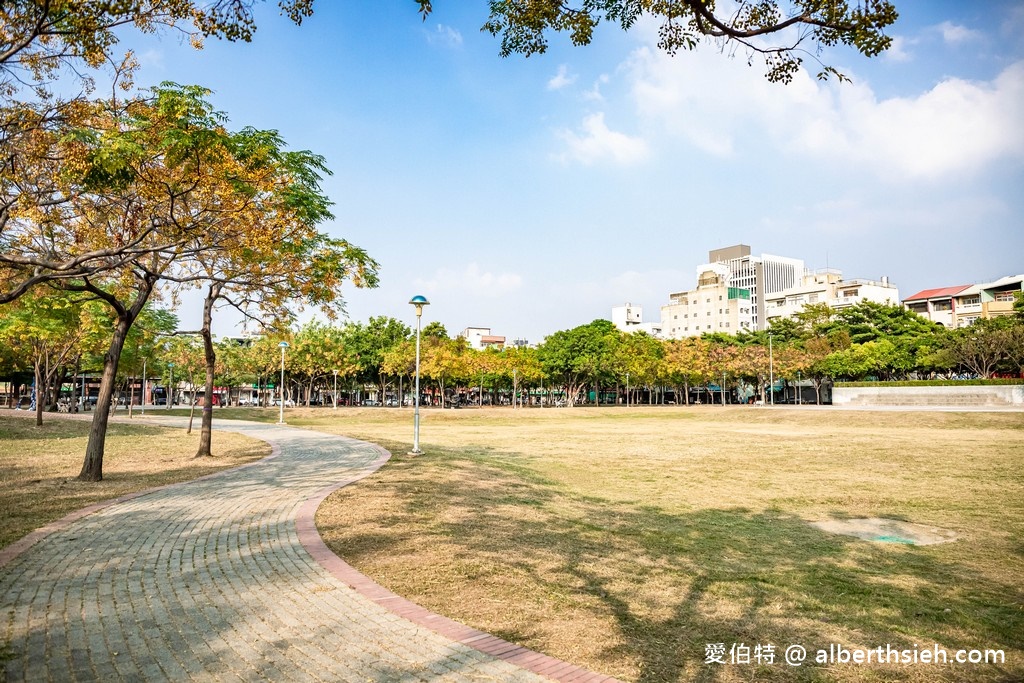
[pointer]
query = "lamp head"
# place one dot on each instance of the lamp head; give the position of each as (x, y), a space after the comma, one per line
(419, 301)
(283, 345)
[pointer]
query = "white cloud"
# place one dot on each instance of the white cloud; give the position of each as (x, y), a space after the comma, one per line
(956, 127)
(594, 94)
(596, 142)
(897, 51)
(470, 280)
(724, 108)
(446, 36)
(561, 79)
(955, 34)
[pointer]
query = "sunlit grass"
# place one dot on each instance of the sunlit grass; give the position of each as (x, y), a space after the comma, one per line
(627, 540)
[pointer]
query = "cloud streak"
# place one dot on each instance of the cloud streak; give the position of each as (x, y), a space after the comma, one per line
(594, 142)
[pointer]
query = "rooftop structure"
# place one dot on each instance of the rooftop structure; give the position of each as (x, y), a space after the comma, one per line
(481, 338)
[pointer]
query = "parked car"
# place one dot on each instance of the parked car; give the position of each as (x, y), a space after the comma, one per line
(289, 403)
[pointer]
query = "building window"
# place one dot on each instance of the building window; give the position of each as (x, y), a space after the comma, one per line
(1003, 296)
(971, 300)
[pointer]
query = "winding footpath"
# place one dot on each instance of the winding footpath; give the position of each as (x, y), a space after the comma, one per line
(225, 579)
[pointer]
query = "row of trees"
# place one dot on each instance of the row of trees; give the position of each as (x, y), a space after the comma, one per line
(867, 341)
(820, 345)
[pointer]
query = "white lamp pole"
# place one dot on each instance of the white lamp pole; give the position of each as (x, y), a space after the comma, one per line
(143, 386)
(419, 302)
(771, 370)
(280, 419)
(170, 385)
(627, 389)
(335, 389)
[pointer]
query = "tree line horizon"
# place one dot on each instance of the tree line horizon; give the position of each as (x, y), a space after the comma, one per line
(820, 344)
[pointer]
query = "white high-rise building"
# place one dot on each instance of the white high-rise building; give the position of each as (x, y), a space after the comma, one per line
(762, 276)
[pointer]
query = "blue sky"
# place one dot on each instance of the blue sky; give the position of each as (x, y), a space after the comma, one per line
(532, 195)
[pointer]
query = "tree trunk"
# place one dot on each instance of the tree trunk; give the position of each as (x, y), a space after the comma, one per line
(206, 432)
(38, 381)
(92, 466)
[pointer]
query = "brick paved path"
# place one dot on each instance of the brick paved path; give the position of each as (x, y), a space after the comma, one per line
(210, 581)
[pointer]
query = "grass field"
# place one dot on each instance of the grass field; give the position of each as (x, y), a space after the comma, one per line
(39, 465)
(626, 541)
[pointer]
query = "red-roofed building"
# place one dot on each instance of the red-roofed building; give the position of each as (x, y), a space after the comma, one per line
(960, 306)
(937, 305)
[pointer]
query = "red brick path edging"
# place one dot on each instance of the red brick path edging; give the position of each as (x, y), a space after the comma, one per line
(536, 662)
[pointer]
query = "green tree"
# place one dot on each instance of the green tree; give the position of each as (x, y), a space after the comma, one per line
(809, 26)
(270, 261)
(637, 361)
(519, 367)
(163, 173)
(981, 347)
(41, 41)
(46, 328)
(575, 357)
(444, 361)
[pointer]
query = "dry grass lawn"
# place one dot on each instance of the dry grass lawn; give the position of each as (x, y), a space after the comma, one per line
(626, 540)
(39, 465)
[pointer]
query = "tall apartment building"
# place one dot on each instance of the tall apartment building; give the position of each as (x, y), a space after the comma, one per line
(761, 276)
(714, 306)
(737, 292)
(740, 282)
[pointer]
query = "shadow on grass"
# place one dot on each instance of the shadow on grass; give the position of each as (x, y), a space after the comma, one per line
(671, 582)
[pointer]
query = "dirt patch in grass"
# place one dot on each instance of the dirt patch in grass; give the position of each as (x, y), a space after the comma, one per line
(39, 466)
(627, 541)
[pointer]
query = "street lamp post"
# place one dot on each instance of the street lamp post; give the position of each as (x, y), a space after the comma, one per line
(170, 385)
(419, 302)
(771, 370)
(280, 419)
(627, 389)
(335, 389)
(143, 401)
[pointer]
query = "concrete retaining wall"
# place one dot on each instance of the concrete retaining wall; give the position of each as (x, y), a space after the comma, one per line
(1005, 395)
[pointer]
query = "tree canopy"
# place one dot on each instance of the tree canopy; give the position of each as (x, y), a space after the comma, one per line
(783, 34)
